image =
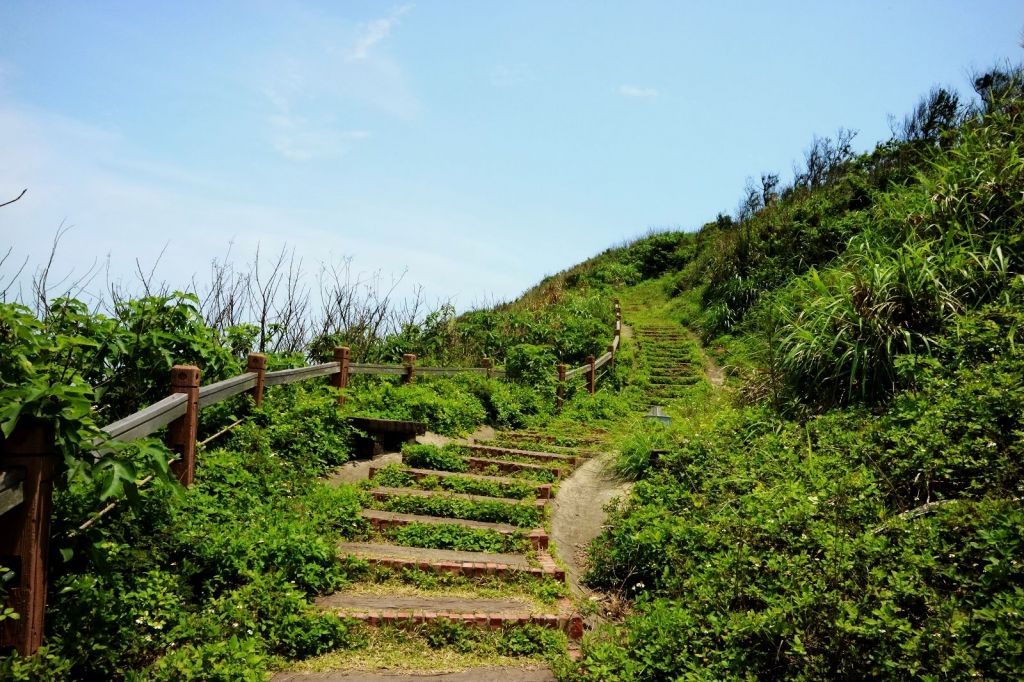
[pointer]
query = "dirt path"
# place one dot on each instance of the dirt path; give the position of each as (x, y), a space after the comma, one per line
(578, 513)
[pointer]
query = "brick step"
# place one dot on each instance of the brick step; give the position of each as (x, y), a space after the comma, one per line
(384, 493)
(530, 454)
(504, 465)
(487, 613)
(468, 564)
(543, 489)
(571, 450)
(538, 537)
(547, 438)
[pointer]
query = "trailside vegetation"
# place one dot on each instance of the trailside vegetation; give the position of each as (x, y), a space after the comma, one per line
(856, 513)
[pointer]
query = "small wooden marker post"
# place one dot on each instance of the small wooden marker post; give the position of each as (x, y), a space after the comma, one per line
(181, 433)
(486, 362)
(257, 362)
(591, 374)
(25, 531)
(560, 395)
(409, 360)
(340, 380)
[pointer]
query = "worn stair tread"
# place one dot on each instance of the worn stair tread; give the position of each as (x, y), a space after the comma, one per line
(341, 601)
(372, 550)
(483, 462)
(384, 491)
(399, 518)
(506, 673)
(476, 477)
(533, 454)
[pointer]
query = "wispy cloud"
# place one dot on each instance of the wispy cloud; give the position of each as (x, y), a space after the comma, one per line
(298, 138)
(511, 75)
(638, 91)
(373, 32)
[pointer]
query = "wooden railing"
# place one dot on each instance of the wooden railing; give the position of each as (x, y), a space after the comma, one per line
(29, 461)
(589, 369)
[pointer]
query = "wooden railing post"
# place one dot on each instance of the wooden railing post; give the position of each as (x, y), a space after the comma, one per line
(257, 362)
(25, 532)
(591, 374)
(560, 393)
(181, 433)
(340, 380)
(611, 362)
(487, 365)
(409, 360)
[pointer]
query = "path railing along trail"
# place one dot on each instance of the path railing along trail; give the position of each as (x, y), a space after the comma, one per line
(29, 459)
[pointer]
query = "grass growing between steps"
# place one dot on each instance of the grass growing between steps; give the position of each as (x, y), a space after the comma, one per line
(443, 646)
(524, 515)
(542, 592)
(394, 476)
(451, 536)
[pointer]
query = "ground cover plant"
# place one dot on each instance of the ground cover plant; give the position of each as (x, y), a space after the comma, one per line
(393, 476)
(857, 514)
(524, 515)
(453, 536)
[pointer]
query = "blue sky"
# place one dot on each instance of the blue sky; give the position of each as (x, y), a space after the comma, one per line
(478, 145)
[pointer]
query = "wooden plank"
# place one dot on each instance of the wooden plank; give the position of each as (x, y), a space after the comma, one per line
(222, 390)
(148, 419)
(12, 492)
(451, 371)
(601, 361)
(289, 376)
(577, 371)
(367, 368)
(615, 343)
(400, 426)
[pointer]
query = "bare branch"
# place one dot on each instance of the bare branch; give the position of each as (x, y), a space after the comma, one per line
(6, 203)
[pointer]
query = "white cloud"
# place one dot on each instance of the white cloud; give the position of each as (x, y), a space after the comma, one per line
(373, 32)
(637, 91)
(298, 139)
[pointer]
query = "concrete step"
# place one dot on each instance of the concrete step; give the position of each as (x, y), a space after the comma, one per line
(538, 537)
(508, 466)
(543, 489)
(497, 451)
(489, 613)
(384, 493)
(468, 564)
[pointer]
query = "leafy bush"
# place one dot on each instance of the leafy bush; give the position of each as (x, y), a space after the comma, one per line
(445, 406)
(394, 476)
(523, 515)
(451, 536)
(433, 457)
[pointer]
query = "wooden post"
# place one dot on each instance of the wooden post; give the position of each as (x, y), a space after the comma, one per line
(560, 395)
(409, 360)
(181, 433)
(257, 362)
(487, 365)
(611, 363)
(340, 380)
(25, 532)
(591, 374)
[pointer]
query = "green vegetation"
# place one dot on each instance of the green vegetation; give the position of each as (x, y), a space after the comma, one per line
(855, 513)
(451, 536)
(524, 515)
(839, 499)
(433, 457)
(393, 476)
